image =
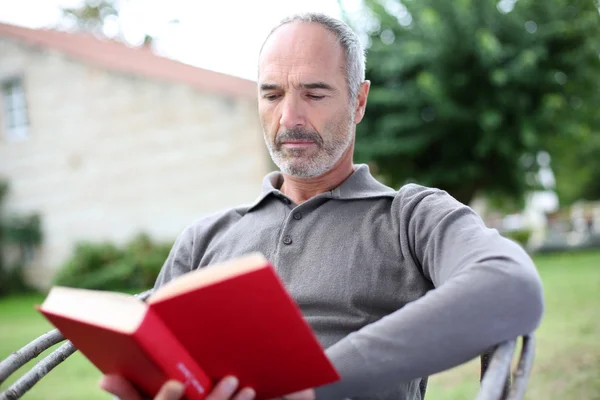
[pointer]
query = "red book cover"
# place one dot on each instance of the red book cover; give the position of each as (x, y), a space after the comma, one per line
(234, 318)
(250, 328)
(147, 356)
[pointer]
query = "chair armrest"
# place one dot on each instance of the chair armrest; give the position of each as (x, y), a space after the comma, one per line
(499, 371)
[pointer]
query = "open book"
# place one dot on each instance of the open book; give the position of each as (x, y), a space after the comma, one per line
(233, 318)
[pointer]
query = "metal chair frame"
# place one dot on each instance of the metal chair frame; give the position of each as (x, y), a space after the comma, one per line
(497, 381)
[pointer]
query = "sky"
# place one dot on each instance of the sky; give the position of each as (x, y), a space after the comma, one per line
(220, 35)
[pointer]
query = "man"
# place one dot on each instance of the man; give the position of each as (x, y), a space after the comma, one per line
(397, 285)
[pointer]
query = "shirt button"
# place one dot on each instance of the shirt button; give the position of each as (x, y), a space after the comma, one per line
(297, 216)
(287, 240)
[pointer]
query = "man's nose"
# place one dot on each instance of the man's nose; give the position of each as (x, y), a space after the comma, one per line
(292, 114)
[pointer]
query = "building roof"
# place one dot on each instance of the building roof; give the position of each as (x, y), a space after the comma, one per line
(115, 56)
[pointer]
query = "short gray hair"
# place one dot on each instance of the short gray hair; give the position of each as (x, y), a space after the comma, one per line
(353, 50)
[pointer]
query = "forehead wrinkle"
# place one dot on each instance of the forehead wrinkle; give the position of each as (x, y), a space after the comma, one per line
(300, 83)
(297, 62)
(299, 76)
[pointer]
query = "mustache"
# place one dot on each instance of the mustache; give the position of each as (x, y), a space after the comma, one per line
(298, 134)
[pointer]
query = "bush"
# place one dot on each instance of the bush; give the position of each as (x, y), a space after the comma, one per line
(21, 234)
(12, 280)
(104, 266)
(520, 236)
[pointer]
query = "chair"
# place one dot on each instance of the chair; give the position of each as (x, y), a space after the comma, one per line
(497, 382)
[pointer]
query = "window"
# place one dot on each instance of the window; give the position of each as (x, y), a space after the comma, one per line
(16, 123)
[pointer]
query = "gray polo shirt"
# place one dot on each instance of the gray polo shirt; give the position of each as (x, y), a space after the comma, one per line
(397, 285)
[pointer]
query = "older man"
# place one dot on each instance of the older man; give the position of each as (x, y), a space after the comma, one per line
(397, 285)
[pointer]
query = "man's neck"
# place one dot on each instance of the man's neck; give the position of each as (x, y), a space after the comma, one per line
(303, 189)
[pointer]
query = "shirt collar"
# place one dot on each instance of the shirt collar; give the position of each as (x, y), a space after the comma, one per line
(360, 185)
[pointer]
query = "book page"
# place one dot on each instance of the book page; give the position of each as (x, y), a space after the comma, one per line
(207, 276)
(112, 310)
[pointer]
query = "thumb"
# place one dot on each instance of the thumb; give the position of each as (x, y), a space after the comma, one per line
(172, 390)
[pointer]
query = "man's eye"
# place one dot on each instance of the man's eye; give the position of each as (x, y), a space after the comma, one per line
(315, 97)
(271, 97)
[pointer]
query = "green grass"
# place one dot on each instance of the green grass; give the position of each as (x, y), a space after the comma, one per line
(567, 363)
(567, 360)
(76, 378)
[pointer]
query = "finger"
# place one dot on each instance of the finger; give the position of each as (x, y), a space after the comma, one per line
(172, 390)
(120, 387)
(302, 395)
(224, 389)
(246, 394)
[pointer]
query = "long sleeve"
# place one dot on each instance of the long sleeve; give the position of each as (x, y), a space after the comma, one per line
(487, 290)
(180, 259)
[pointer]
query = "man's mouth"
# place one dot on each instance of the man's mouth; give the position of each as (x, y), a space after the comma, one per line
(297, 144)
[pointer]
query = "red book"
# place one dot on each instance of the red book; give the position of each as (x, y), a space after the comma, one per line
(234, 318)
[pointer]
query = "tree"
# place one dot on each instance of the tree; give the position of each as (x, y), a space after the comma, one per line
(466, 93)
(92, 15)
(102, 18)
(577, 167)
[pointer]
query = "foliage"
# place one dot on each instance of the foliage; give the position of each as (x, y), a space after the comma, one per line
(105, 266)
(577, 167)
(520, 236)
(91, 15)
(22, 232)
(102, 18)
(466, 93)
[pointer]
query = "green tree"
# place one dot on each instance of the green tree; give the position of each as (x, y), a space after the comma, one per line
(101, 18)
(465, 93)
(577, 167)
(91, 15)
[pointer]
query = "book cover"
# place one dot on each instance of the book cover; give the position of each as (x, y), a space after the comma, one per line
(234, 318)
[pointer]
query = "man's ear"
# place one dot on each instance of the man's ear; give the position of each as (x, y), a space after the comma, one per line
(361, 101)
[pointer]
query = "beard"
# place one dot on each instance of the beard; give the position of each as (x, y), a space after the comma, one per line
(306, 162)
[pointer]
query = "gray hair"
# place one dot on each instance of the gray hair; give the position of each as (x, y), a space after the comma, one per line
(353, 50)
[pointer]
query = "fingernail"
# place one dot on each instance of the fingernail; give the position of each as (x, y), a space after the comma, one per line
(230, 383)
(247, 394)
(176, 387)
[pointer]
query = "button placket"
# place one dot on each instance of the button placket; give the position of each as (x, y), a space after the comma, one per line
(290, 228)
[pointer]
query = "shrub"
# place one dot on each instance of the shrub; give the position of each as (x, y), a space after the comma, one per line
(12, 280)
(104, 266)
(148, 258)
(21, 234)
(520, 236)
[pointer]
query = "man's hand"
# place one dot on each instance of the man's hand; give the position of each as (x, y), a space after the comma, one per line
(308, 394)
(173, 390)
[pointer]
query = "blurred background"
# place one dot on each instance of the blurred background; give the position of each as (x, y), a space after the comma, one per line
(122, 121)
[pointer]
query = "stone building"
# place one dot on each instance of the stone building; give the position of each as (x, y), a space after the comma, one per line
(107, 141)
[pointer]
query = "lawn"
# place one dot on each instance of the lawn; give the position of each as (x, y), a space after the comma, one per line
(567, 363)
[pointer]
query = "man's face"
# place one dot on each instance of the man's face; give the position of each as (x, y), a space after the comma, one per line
(304, 106)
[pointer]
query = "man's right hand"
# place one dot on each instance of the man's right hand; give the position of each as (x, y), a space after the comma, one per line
(173, 390)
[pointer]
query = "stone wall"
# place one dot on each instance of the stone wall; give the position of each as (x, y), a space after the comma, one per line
(109, 155)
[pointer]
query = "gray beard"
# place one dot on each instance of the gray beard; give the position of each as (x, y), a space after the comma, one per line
(292, 162)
